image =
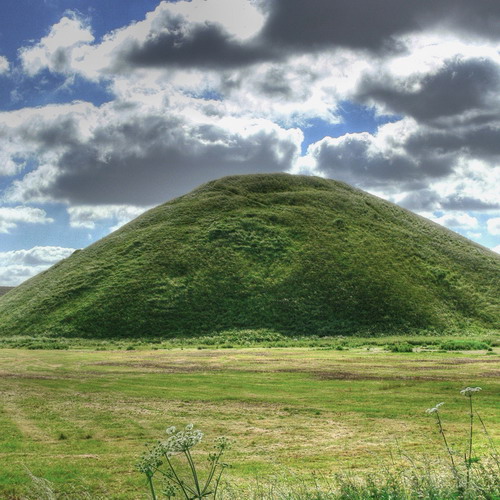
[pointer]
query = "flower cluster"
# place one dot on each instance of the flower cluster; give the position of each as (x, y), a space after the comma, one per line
(435, 409)
(222, 443)
(470, 391)
(179, 474)
(150, 461)
(182, 440)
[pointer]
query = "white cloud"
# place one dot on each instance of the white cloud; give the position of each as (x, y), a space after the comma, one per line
(493, 226)
(293, 91)
(474, 236)
(4, 65)
(247, 23)
(496, 249)
(19, 265)
(10, 217)
(457, 221)
(69, 47)
(88, 216)
(59, 50)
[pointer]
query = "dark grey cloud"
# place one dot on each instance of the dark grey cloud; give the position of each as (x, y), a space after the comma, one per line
(373, 25)
(298, 26)
(458, 202)
(153, 158)
(354, 160)
(61, 132)
(478, 142)
(421, 200)
(275, 84)
(184, 44)
(408, 157)
(459, 86)
(426, 200)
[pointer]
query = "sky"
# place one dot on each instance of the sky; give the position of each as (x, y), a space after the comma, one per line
(111, 107)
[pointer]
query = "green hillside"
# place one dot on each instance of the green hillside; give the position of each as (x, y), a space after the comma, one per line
(296, 254)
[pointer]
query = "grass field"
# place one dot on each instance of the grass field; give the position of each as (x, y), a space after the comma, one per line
(80, 418)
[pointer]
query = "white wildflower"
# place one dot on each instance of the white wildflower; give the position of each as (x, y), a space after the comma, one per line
(435, 409)
(469, 391)
(181, 440)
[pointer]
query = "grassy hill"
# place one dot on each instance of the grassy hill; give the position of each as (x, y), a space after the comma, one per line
(295, 254)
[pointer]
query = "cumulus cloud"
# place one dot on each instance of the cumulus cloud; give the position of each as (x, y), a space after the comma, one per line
(19, 265)
(493, 226)
(362, 24)
(381, 159)
(11, 217)
(222, 34)
(204, 34)
(57, 51)
(409, 163)
(214, 34)
(4, 65)
(88, 216)
(460, 85)
(138, 154)
(457, 221)
(178, 42)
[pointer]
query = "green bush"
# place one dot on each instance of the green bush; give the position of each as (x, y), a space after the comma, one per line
(400, 347)
(464, 345)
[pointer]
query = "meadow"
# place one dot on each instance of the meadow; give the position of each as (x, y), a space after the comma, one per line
(80, 417)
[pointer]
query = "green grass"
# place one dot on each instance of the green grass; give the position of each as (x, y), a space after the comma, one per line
(289, 254)
(262, 338)
(301, 410)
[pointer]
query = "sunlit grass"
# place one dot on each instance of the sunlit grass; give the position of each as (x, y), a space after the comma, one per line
(300, 409)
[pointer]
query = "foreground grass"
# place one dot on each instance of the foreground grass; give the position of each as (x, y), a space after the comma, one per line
(81, 417)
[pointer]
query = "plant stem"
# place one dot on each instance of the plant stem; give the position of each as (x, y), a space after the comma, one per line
(179, 482)
(217, 481)
(212, 471)
(469, 461)
(193, 471)
(151, 486)
(454, 467)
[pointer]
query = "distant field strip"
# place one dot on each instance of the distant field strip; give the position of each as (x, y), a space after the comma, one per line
(82, 417)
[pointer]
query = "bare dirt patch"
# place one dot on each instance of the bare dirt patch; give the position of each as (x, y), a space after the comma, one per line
(29, 376)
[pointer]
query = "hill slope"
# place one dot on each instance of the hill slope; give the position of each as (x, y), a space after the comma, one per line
(301, 255)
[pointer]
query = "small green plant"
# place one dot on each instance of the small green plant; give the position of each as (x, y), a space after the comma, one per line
(163, 460)
(464, 345)
(469, 459)
(464, 483)
(401, 347)
(435, 411)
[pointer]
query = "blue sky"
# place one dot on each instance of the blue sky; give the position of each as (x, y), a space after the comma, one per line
(110, 107)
